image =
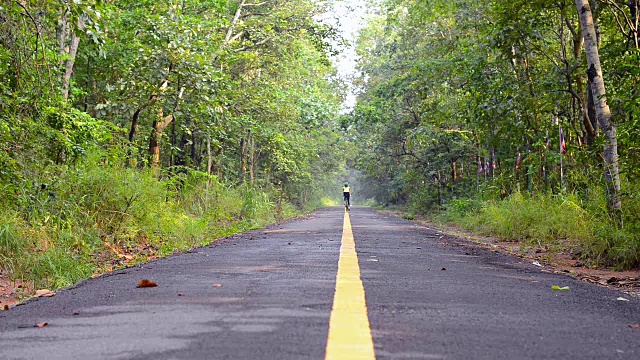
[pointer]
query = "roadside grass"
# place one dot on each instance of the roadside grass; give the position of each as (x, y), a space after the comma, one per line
(559, 223)
(77, 222)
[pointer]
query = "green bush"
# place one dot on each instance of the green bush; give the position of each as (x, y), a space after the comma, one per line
(558, 222)
(73, 221)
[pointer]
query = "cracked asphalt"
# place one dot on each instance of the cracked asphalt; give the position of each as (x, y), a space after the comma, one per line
(268, 294)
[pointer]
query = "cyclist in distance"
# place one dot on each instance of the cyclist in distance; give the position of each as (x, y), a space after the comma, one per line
(346, 192)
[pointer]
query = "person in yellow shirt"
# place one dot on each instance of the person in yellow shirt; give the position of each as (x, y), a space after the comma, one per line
(346, 191)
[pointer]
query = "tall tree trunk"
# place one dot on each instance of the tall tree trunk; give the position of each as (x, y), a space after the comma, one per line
(243, 159)
(581, 95)
(218, 166)
(66, 51)
(612, 173)
(634, 8)
(194, 150)
(252, 157)
(592, 116)
(454, 169)
(69, 63)
(136, 115)
(61, 35)
(159, 125)
(174, 143)
(209, 156)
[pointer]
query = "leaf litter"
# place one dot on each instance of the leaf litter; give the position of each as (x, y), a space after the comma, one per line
(44, 293)
(144, 283)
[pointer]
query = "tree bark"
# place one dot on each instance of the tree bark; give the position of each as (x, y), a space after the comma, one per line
(243, 159)
(603, 113)
(136, 115)
(61, 35)
(69, 63)
(634, 8)
(252, 158)
(159, 125)
(209, 156)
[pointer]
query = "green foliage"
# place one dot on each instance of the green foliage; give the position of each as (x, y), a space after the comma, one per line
(10, 242)
(539, 219)
(73, 131)
(461, 106)
(170, 126)
(94, 212)
(563, 223)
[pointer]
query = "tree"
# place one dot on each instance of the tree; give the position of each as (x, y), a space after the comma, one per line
(612, 171)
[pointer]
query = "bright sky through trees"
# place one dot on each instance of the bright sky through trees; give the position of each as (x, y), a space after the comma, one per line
(349, 16)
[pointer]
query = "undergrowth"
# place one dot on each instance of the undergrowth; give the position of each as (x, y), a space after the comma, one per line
(557, 222)
(72, 222)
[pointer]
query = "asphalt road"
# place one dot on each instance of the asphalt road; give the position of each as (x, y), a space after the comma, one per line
(269, 294)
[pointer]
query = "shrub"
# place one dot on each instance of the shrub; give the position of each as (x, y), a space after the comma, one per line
(561, 222)
(73, 221)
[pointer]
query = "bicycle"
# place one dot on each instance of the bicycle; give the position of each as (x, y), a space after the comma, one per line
(347, 206)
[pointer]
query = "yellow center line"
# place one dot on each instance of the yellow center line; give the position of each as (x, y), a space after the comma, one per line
(349, 331)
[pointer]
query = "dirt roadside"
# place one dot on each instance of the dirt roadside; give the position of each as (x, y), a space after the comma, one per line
(9, 292)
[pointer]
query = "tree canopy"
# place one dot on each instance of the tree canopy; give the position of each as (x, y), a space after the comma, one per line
(486, 99)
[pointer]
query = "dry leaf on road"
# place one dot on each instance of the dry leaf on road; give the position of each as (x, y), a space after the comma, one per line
(45, 293)
(144, 283)
(41, 325)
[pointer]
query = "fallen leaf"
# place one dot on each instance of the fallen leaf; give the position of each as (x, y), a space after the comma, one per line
(41, 325)
(444, 269)
(622, 299)
(635, 326)
(217, 285)
(144, 283)
(180, 294)
(556, 287)
(6, 308)
(45, 293)
(76, 313)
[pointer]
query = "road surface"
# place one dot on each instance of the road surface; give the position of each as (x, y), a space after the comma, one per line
(329, 286)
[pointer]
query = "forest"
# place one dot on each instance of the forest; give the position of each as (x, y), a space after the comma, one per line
(515, 118)
(133, 129)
